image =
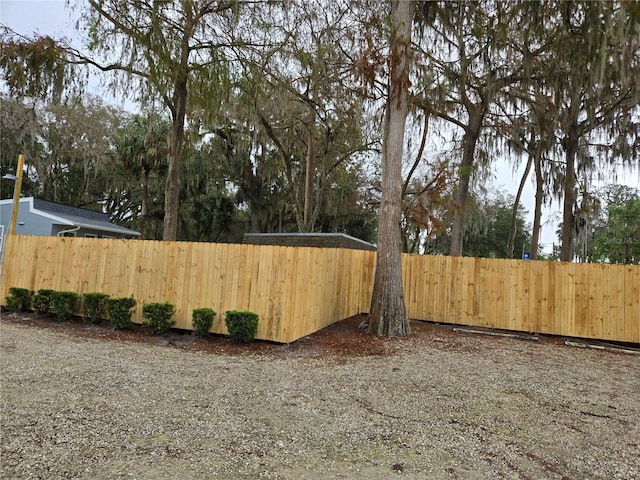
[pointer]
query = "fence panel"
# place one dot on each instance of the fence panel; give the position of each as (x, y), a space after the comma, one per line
(297, 291)
(294, 290)
(579, 300)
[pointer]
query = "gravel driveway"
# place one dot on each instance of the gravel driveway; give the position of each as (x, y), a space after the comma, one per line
(438, 406)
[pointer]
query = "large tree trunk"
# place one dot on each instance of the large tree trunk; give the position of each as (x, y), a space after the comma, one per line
(388, 315)
(143, 206)
(469, 141)
(570, 195)
(172, 185)
(254, 221)
(308, 177)
(174, 173)
(537, 214)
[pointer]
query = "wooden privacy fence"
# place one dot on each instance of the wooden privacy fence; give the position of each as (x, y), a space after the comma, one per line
(297, 291)
(572, 299)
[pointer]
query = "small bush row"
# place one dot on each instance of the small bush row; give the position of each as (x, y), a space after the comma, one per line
(19, 299)
(63, 304)
(120, 311)
(159, 316)
(59, 303)
(202, 321)
(241, 325)
(94, 306)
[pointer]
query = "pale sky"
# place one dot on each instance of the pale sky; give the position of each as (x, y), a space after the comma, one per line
(41, 16)
(50, 17)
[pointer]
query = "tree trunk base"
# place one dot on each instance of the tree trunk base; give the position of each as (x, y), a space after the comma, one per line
(392, 327)
(388, 315)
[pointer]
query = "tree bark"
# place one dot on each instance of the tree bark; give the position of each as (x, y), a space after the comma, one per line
(537, 214)
(388, 315)
(308, 177)
(514, 211)
(570, 194)
(256, 224)
(469, 141)
(174, 173)
(143, 206)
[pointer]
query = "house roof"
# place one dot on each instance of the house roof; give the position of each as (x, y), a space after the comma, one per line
(74, 216)
(323, 240)
(68, 211)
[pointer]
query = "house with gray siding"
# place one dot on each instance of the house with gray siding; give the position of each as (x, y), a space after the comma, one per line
(41, 217)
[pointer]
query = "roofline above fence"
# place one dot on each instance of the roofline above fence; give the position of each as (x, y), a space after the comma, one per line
(323, 240)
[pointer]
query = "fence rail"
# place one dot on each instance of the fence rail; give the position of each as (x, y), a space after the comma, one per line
(297, 291)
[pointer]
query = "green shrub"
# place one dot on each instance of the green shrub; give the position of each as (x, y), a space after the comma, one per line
(42, 301)
(120, 311)
(63, 304)
(242, 325)
(19, 299)
(159, 316)
(94, 306)
(202, 321)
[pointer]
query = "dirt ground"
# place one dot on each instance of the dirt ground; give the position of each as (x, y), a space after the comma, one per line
(85, 401)
(342, 340)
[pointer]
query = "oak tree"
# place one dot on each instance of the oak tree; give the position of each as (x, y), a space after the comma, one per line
(388, 315)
